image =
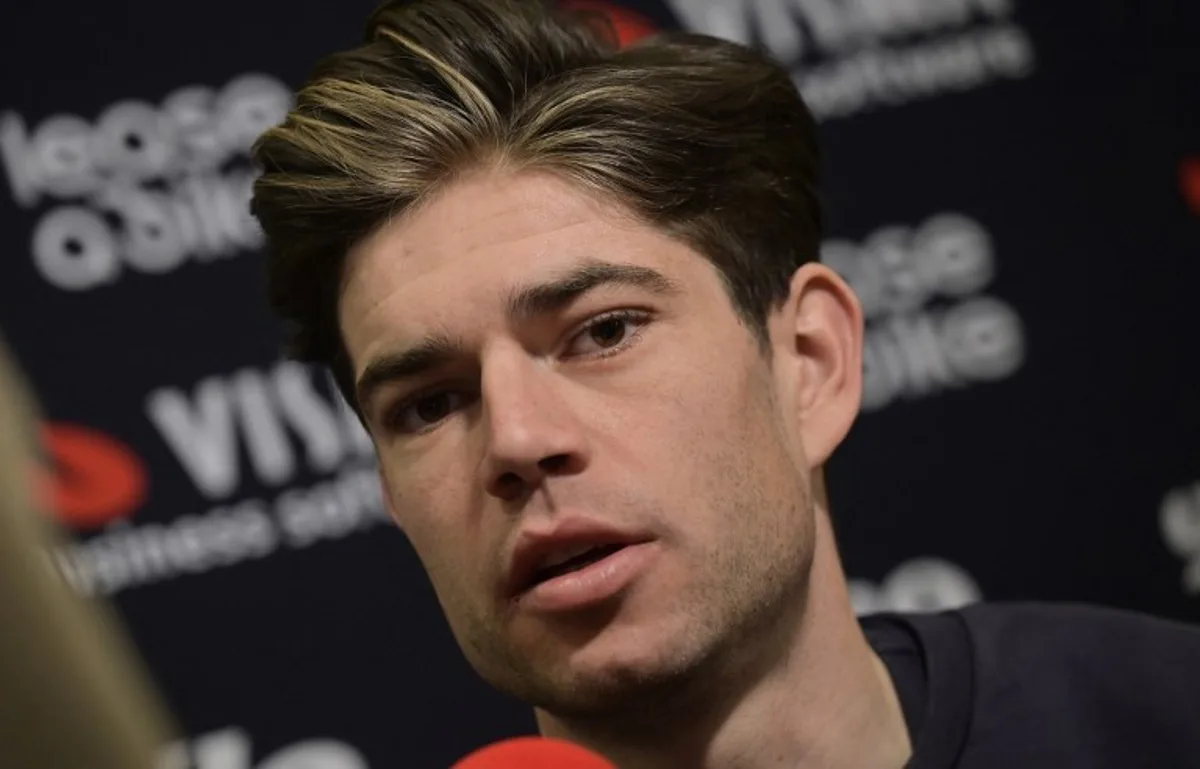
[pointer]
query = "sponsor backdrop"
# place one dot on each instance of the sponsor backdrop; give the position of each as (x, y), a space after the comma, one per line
(1014, 191)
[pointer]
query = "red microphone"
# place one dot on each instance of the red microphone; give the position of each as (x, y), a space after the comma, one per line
(533, 753)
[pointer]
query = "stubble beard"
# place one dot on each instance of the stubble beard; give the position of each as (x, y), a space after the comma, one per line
(732, 628)
(728, 642)
(735, 622)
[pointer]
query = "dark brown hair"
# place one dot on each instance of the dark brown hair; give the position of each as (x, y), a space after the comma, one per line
(706, 139)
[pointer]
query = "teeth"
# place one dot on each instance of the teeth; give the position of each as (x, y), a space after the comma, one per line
(563, 556)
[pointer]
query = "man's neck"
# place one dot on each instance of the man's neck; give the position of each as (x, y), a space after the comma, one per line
(820, 698)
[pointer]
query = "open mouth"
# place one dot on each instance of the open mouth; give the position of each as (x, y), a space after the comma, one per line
(575, 563)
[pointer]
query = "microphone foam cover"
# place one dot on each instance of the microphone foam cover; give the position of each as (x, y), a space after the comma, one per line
(533, 753)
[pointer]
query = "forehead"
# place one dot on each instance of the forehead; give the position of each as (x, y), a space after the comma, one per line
(483, 210)
(460, 253)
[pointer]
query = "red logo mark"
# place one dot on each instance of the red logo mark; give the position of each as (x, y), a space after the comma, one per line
(94, 478)
(1189, 180)
(630, 26)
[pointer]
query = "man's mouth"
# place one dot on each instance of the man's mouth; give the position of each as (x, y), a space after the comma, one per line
(571, 561)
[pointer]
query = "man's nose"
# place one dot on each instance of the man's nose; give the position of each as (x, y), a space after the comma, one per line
(532, 432)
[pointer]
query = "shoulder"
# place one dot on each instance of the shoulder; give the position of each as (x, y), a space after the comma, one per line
(1129, 680)
(1069, 618)
(1081, 637)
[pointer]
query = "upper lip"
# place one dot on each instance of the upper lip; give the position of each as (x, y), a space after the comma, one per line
(535, 546)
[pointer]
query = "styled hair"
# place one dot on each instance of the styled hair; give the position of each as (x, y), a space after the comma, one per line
(705, 139)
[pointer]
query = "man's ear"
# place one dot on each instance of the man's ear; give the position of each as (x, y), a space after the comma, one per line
(816, 340)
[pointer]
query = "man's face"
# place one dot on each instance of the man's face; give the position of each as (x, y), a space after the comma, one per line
(543, 364)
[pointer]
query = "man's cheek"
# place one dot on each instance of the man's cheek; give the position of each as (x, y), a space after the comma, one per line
(433, 548)
(452, 593)
(453, 567)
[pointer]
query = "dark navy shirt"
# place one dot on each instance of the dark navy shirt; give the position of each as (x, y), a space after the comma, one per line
(1040, 686)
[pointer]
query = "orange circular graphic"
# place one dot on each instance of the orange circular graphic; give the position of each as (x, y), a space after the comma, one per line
(94, 478)
(1189, 180)
(630, 26)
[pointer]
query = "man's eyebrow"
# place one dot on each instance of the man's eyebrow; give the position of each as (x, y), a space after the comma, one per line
(554, 295)
(431, 352)
(523, 303)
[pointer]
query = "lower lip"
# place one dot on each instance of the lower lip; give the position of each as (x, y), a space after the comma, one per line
(593, 583)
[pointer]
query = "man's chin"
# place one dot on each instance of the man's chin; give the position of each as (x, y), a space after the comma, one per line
(614, 688)
(583, 672)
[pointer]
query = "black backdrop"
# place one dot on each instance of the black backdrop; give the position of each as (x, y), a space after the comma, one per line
(1014, 190)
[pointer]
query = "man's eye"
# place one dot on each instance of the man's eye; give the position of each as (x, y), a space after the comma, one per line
(608, 333)
(423, 412)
